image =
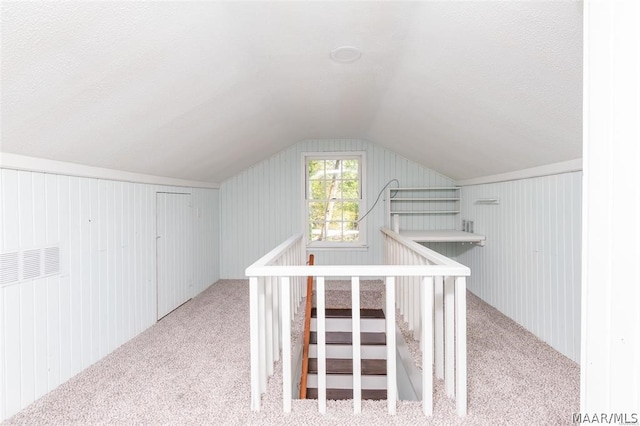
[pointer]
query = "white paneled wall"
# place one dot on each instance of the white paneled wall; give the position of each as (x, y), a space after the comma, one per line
(530, 266)
(105, 293)
(263, 206)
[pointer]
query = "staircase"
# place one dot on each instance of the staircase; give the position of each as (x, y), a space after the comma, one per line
(339, 353)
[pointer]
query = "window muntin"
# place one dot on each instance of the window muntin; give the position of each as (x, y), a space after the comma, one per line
(333, 199)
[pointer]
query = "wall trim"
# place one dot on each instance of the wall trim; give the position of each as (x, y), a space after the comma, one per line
(546, 170)
(34, 164)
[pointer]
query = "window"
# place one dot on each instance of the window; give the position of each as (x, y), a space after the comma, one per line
(334, 199)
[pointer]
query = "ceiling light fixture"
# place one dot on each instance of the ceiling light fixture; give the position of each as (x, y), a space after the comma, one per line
(345, 54)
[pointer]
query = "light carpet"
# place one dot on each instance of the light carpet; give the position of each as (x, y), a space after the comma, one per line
(192, 367)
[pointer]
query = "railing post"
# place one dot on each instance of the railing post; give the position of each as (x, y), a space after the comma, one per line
(255, 343)
(357, 362)
(461, 345)
(390, 313)
(427, 339)
(286, 345)
(322, 355)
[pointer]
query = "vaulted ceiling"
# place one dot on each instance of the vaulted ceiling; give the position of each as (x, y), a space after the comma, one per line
(203, 90)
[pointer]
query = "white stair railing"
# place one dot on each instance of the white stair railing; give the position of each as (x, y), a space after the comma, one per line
(434, 307)
(274, 300)
(412, 271)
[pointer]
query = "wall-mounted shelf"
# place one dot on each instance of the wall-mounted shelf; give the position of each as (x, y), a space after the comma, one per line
(433, 200)
(439, 200)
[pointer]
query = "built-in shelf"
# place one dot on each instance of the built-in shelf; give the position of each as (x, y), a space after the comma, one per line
(443, 236)
(439, 200)
(433, 200)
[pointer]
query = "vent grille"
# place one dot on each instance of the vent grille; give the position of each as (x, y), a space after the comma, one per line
(9, 271)
(51, 260)
(29, 264)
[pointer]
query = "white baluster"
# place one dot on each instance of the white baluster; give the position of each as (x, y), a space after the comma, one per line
(262, 336)
(286, 345)
(411, 292)
(357, 363)
(427, 339)
(268, 324)
(390, 313)
(415, 260)
(439, 326)
(416, 301)
(406, 290)
(322, 355)
(254, 332)
(275, 320)
(278, 288)
(449, 341)
(461, 346)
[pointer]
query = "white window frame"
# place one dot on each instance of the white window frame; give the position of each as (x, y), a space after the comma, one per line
(361, 243)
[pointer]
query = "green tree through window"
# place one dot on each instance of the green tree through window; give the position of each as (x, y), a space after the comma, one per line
(333, 196)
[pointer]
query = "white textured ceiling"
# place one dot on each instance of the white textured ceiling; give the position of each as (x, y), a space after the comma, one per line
(203, 90)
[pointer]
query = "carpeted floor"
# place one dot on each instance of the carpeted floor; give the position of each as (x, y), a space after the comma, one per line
(193, 368)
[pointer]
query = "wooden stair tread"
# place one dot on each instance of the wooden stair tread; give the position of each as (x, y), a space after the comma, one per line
(346, 313)
(339, 394)
(369, 367)
(344, 338)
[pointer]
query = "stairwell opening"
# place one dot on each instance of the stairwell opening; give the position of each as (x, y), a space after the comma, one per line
(339, 350)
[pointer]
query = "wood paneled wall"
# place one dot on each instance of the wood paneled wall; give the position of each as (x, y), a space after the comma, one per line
(263, 206)
(105, 294)
(530, 266)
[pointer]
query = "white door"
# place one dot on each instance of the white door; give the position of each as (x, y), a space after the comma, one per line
(174, 250)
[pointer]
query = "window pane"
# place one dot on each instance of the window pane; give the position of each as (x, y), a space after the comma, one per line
(350, 169)
(333, 170)
(317, 212)
(351, 210)
(334, 232)
(317, 231)
(316, 169)
(316, 189)
(350, 231)
(350, 189)
(333, 211)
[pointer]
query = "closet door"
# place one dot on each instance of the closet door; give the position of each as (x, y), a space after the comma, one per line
(174, 250)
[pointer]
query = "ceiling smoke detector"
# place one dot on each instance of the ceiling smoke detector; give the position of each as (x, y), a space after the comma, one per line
(345, 54)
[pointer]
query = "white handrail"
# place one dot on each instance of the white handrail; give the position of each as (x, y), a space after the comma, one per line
(432, 256)
(275, 254)
(414, 272)
(356, 270)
